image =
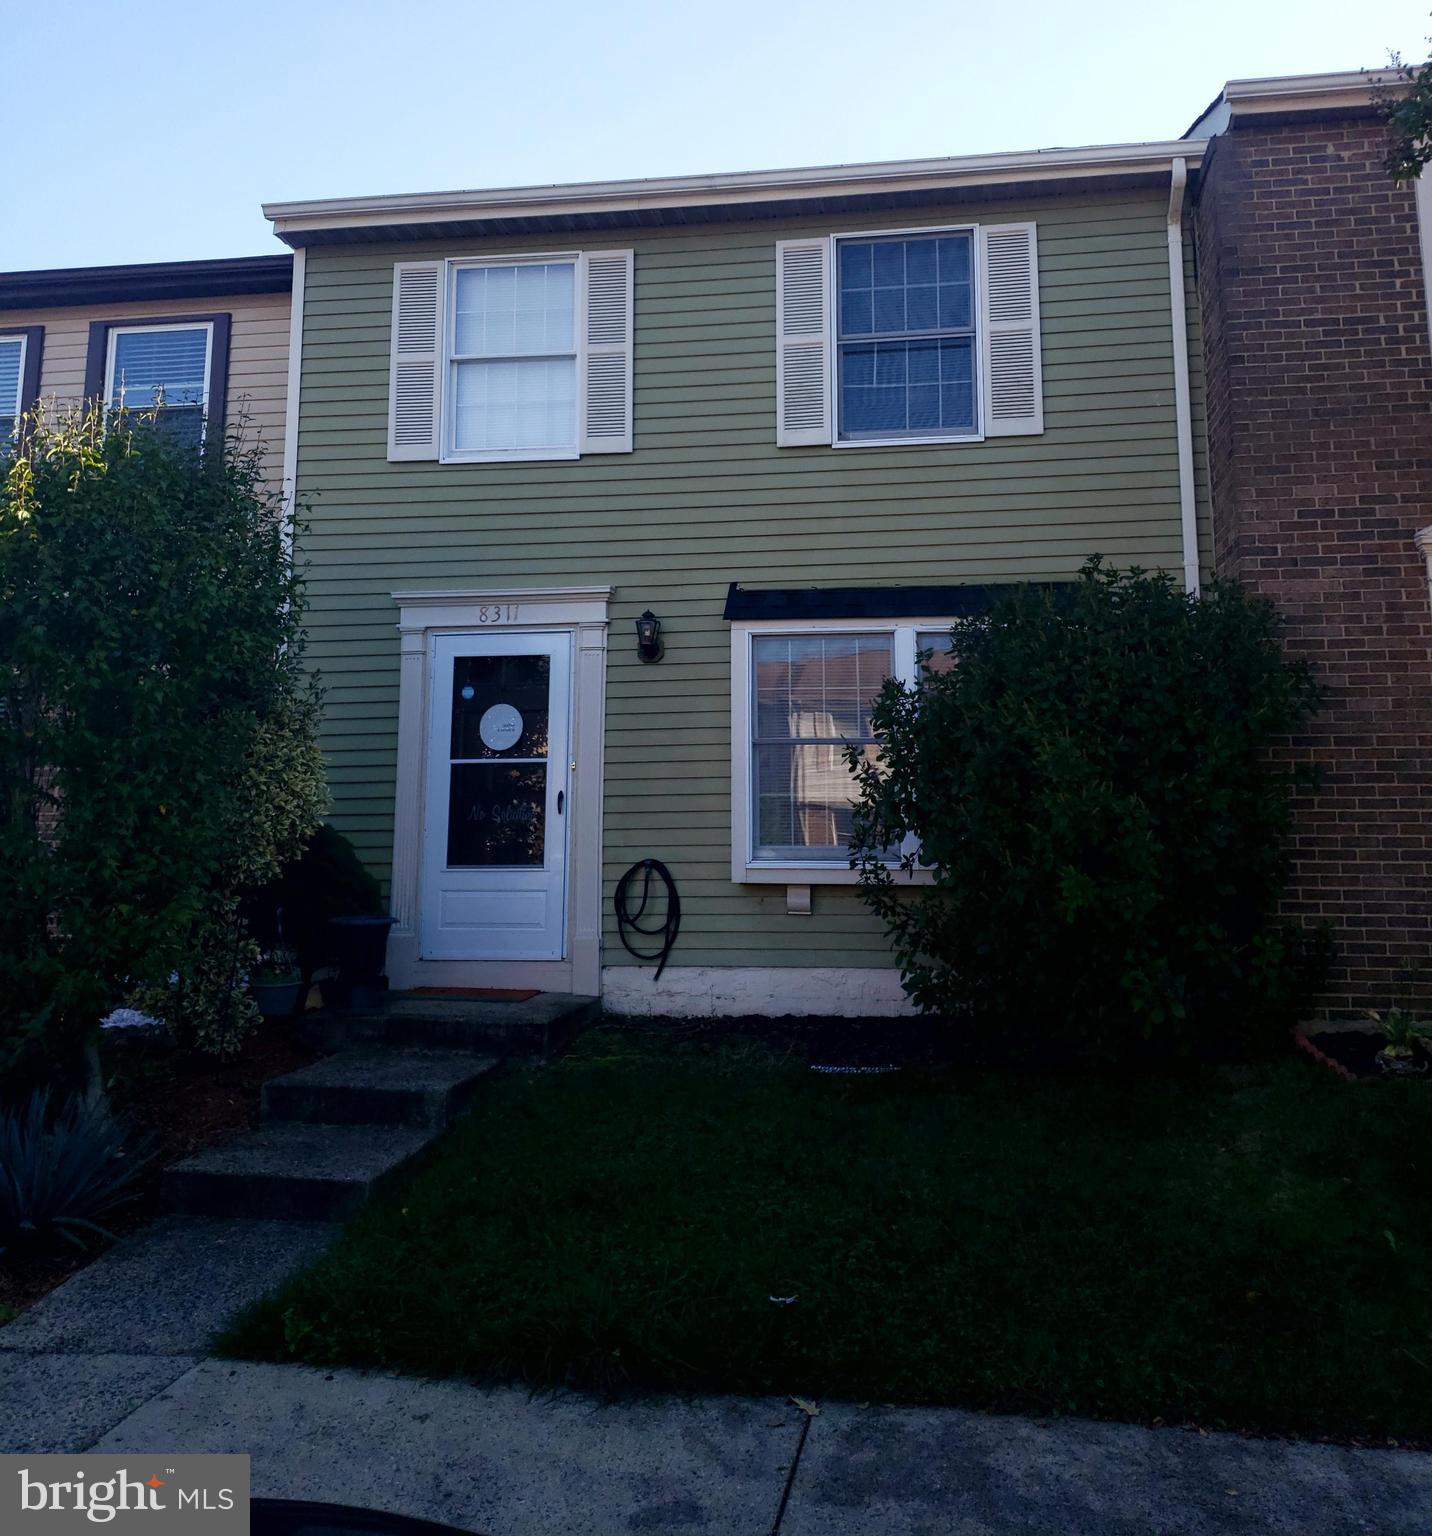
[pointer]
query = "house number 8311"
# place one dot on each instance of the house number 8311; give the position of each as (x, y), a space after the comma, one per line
(497, 613)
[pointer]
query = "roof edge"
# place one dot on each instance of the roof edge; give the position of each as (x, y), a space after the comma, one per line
(746, 187)
(1343, 91)
(56, 287)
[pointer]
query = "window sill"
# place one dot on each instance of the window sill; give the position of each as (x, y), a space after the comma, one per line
(514, 456)
(906, 442)
(813, 874)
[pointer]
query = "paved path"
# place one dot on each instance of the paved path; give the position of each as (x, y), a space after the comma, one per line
(114, 1360)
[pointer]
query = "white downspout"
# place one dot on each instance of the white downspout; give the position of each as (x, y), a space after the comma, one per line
(1183, 410)
(1424, 543)
(290, 419)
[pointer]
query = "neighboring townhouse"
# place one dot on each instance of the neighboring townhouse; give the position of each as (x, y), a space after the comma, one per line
(801, 419)
(206, 342)
(1313, 275)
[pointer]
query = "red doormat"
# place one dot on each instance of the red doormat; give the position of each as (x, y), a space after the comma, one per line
(505, 994)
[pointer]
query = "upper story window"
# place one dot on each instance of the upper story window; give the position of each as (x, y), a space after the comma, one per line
(12, 373)
(161, 368)
(511, 358)
(908, 336)
(905, 337)
(513, 361)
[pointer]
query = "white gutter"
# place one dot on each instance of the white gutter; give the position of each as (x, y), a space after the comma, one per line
(290, 416)
(753, 187)
(1182, 406)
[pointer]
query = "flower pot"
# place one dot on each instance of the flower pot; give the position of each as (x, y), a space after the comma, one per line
(277, 999)
(361, 946)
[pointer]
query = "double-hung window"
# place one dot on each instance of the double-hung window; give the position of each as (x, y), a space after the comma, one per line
(802, 697)
(164, 369)
(512, 363)
(12, 375)
(905, 337)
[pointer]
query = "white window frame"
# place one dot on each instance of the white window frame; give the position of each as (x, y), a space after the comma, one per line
(14, 413)
(447, 454)
(112, 344)
(745, 869)
(833, 339)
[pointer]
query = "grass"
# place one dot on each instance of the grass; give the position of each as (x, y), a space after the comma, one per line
(1247, 1249)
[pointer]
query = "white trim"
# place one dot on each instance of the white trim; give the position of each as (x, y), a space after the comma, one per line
(746, 870)
(1293, 93)
(769, 991)
(1423, 189)
(140, 327)
(290, 420)
(833, 338)
(1423, 537)
(582, 612)
(447, 391)
(1182, 406)
(747, 187)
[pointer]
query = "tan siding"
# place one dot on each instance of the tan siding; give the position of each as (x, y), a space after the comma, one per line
(706, 499)
(258, 355)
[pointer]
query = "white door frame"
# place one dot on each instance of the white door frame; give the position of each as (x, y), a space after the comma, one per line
(582, 612)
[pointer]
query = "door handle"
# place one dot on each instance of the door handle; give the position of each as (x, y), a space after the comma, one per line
(561, 800)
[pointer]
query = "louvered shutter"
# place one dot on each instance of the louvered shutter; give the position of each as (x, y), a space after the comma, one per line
(802, 342)
(1013, 385)
(606, 402)
(414, 381)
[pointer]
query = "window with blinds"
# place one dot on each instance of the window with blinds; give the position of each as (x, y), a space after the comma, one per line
(12, 372)
(164, 369)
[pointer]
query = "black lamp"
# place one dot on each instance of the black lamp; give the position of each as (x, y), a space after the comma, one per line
(648, 637)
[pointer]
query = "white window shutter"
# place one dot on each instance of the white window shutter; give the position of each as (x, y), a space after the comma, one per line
(606, 398)
(1009, 303)
(802, 342)
(414, 387)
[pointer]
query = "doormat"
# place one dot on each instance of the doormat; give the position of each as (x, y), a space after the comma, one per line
(501, 994)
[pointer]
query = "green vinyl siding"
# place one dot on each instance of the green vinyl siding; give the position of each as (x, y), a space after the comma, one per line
(707, 498)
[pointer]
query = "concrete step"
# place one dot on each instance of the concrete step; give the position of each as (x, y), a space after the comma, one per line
(291, 1171)
(537, 1026)
(378, 1085)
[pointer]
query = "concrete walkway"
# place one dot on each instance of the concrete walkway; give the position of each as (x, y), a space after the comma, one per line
(114, 1360)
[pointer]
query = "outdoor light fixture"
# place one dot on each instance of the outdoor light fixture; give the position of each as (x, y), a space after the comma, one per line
(648, 637)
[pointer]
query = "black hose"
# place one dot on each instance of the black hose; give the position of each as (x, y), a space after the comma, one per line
(628, 920)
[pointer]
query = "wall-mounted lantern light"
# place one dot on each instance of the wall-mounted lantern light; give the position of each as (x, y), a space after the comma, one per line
(648, 637)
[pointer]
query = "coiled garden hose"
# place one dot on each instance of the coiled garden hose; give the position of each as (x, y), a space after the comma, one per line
(630, 922)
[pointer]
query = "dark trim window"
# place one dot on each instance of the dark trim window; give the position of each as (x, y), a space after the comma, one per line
(906, 354)
(21, 347)
(176, 365)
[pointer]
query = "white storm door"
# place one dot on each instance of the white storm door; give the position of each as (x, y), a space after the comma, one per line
(494, 883)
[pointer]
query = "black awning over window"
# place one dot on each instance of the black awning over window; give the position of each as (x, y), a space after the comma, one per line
(949, 601)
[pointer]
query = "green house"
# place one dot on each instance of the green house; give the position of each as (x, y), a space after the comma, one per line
(801, 420)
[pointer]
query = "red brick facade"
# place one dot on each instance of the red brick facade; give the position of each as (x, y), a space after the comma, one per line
(1319, 374)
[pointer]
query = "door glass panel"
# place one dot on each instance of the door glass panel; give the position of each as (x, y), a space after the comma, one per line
(500, 706)
(497, 814)
(497, 796)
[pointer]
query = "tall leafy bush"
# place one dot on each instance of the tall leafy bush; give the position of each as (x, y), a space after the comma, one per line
(152, 704)
(1101, 789)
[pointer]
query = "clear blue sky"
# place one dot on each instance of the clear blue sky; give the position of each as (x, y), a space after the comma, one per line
(145, 131)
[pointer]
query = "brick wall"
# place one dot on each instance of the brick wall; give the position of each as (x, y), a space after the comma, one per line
(1319, 374)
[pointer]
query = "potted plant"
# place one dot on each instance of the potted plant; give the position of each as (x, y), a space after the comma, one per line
(277, 984)
(1405, 1039)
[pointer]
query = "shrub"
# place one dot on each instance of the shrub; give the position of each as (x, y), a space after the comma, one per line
(1095, 788)
(153, 705)
(61, 1171)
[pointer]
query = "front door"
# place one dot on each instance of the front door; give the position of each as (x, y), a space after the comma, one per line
(494, 881)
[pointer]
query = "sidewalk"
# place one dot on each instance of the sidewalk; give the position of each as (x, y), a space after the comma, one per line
(91, 1367)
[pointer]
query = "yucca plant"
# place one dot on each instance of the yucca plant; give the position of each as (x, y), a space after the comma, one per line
(62, 1171)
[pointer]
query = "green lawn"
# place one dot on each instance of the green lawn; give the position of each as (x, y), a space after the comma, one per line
(1247, 1249)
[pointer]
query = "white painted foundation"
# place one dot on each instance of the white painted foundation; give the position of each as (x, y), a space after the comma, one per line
(769, 991)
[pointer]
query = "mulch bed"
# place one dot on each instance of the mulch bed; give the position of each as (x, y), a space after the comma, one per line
(178, 1103)
(1353, 1054)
